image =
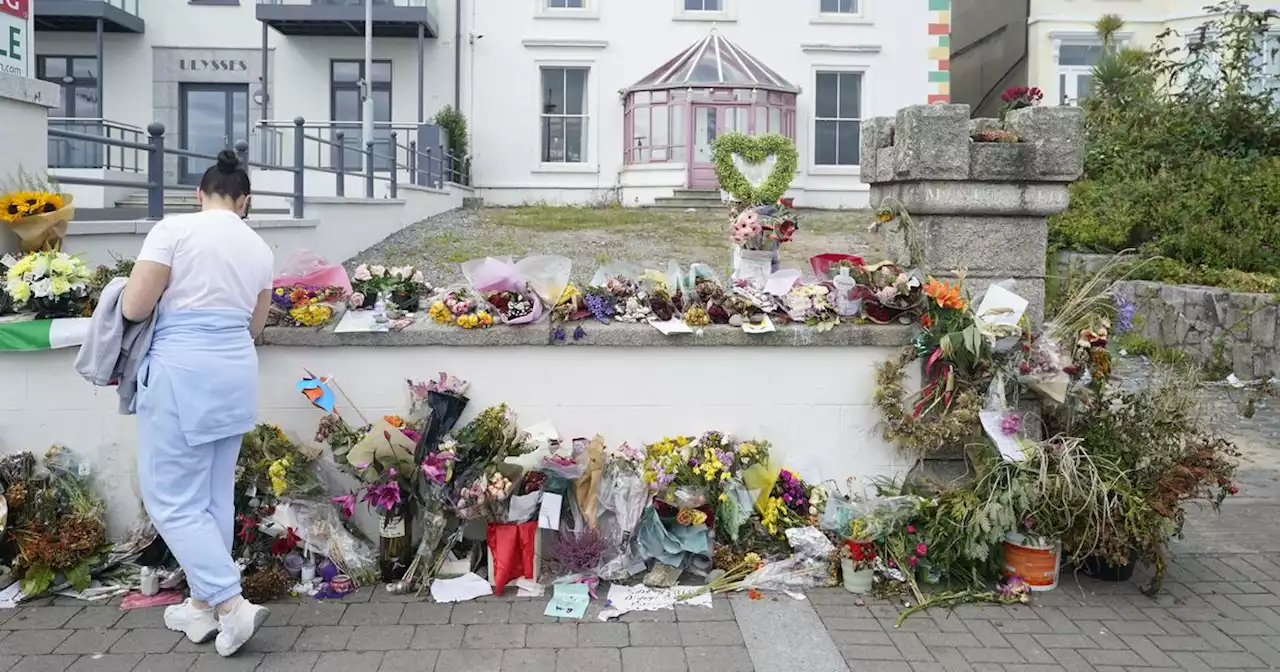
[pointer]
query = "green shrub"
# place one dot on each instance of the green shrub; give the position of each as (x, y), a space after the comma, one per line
(455, 128)
(1182, 147)
(1219, 212)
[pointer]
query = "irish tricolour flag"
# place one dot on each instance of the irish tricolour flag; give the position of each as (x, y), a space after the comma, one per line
(43, 334)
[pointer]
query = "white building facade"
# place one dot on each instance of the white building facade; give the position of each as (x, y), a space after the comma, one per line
(1063, 45)
(572, 101)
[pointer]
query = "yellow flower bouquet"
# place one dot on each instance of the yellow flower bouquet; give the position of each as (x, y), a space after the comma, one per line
(50, 284)
(39, 217)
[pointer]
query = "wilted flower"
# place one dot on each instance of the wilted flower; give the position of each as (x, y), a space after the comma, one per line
(347, 502)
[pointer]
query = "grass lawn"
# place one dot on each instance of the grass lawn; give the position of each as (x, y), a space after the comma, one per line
(595, 236)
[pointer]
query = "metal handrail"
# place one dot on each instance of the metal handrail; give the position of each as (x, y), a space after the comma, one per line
(65, 152)
(156, 151)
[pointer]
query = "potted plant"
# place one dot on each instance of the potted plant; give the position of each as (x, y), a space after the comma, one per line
(856, 561)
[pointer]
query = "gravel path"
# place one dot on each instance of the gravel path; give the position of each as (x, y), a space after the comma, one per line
(593, 237)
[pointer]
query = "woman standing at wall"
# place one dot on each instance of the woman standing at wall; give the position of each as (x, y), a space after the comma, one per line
(207, 277)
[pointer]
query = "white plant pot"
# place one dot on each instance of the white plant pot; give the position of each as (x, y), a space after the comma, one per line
(857, 582)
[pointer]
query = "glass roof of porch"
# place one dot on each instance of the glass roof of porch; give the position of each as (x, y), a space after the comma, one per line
(714, 61)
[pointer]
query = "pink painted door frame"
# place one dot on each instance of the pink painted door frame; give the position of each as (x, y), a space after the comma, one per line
(721, 118)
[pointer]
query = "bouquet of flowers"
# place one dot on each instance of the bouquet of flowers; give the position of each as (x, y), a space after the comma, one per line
(270, 463)
(862, 554)
(488, 440)
(811, 305)
(37, 213)
(889, 292)
(460, 307)
(571, 306)
(484, 497)
(436, 406)
(505, 288)
(765, 227)
(631, 303)
(54, 519)
(303, 306)
(828, 266)
(49, 283)
(1018, 97)
(404, 286)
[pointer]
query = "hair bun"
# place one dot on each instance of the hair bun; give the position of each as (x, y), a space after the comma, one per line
(228, 162)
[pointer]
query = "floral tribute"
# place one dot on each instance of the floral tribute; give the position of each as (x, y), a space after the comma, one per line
(764, 227)
(37, 213)
(403, 286)
(50, 284)
(301, 306)
(461, 308)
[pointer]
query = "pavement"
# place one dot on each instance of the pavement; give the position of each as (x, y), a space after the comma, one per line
(1220, 610)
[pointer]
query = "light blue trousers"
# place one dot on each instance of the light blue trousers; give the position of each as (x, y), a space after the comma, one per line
(189, 490)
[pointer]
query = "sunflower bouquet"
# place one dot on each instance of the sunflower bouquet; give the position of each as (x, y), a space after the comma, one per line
(37, 213)
(50, 284)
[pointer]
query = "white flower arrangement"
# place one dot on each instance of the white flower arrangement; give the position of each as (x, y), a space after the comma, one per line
(48, 281)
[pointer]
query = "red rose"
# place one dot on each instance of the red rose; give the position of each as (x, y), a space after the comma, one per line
(1233, 490)
(787, 202)
(1024, 368)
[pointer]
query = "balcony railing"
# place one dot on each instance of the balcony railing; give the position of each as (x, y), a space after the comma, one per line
(318, 18)
(71, 153)
(116, 16)
(425, 168)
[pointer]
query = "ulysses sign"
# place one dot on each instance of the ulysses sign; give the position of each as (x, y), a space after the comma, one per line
(212, 65)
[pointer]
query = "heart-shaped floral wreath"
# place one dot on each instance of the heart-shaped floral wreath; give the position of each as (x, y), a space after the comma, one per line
(754, 149)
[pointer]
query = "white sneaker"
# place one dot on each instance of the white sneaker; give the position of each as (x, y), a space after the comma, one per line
(199, 625)
(238, 625)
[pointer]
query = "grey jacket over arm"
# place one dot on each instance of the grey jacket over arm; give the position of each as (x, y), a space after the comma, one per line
(114, 347)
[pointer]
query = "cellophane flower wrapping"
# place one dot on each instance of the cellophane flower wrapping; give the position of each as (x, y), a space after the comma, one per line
(494, 275)
(1041, 368)
(825, 266)
(566, 460)
(547, 275)
(623, 492)
(734, 508)
(320, 527)
(587, 487)
(616, 269)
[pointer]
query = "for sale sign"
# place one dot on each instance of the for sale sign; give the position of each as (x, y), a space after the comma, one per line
(15, 37)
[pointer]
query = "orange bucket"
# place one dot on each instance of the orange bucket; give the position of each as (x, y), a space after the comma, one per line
(1037, 565)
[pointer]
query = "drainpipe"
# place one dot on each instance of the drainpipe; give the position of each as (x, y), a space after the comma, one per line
(98, 86)
(421, 66)
(266, 76)
(457, 55)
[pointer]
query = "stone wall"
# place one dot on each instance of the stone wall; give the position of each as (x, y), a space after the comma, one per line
(979, 207)
(1223, 330)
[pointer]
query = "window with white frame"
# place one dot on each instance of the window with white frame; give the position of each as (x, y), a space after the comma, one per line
(564, 115)
(1075, 70)
(566, 4)
(837, 118)
(838, 6)
(704, 5)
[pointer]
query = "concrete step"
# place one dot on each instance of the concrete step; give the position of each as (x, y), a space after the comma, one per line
(699, 203)
(713, 194)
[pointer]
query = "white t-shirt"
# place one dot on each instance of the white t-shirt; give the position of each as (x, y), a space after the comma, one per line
(215, 261)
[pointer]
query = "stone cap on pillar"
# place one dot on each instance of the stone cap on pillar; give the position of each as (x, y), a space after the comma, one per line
(934, 143)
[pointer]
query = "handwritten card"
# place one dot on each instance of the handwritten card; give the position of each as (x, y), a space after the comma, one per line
(549, 513)
(569, 600)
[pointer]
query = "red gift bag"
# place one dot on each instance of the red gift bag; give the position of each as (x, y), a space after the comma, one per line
(512, 552)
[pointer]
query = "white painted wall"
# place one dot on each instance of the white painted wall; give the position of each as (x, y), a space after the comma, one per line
(24, 104)
(823, 426)
(299, 78)
(630, 39)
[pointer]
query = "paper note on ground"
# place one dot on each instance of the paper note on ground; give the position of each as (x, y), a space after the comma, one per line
(570, 600)
(359, 321)
(671, 326)
(469, 586)
(623, 599)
